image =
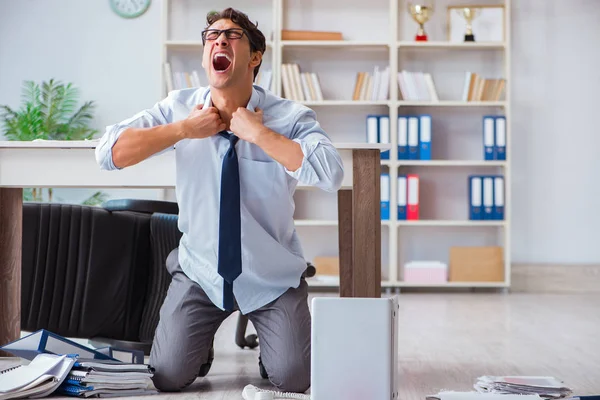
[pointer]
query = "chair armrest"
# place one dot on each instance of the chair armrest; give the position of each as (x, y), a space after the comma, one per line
(142, 206)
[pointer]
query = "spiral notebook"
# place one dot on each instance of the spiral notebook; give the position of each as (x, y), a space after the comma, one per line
(41, 377)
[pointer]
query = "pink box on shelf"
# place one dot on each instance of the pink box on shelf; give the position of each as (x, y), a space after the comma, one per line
(425, 272)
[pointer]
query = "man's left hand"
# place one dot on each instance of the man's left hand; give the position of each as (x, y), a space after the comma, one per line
(247, 125)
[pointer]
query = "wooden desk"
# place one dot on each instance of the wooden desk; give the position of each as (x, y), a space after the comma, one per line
(73, 164)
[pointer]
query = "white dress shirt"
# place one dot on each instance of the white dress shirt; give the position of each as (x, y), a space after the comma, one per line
(272, 256)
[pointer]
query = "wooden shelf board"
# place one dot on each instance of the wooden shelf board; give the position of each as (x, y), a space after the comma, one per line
(458, 223)
(452, 103)
(450, 45)
(450, 163)
(334, 43)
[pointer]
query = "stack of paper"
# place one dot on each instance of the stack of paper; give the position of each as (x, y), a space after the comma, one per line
(480, 396)
(546, 386)
(40, 378)
(102, 378)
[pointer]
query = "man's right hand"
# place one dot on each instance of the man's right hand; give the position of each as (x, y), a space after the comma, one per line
(202, 123)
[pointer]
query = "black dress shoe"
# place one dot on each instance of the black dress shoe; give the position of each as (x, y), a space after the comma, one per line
(263, 371)
(206, 366)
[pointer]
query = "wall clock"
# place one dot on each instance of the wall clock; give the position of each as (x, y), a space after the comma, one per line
(129, 8)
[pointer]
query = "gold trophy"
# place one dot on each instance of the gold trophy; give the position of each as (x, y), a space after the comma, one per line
(469, 14)
(421, 12)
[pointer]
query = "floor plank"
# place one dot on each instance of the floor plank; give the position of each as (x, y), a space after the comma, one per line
(447, 340)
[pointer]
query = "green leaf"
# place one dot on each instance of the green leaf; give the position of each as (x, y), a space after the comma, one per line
(48, 111)
(95, 199)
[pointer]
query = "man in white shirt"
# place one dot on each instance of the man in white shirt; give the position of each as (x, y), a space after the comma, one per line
(240, 153)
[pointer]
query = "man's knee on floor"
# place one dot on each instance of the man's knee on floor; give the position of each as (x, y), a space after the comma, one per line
(292, 377)
(170, 377)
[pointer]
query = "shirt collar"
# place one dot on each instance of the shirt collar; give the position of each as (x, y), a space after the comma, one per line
(252, 104)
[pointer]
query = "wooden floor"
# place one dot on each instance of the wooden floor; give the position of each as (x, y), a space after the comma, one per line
(447, 340)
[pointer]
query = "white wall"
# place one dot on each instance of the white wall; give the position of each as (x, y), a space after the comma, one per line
(556, 190)
(555, 83)
(113, 61)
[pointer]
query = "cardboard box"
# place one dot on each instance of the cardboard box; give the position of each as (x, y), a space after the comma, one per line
(476, 264)
(329, 266)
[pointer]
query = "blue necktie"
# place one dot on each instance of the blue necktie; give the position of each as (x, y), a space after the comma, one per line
(230, 241)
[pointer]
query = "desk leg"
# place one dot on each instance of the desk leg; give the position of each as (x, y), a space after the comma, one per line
(345, 242)
(11, 225)
(366, 213)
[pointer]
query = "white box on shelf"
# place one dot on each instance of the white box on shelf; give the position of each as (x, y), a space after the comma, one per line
(425, 272)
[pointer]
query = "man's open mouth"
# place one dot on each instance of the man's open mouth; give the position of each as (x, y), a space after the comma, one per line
(221, 62)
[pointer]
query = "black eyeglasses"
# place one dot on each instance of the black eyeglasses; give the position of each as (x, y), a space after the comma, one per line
(213, 34)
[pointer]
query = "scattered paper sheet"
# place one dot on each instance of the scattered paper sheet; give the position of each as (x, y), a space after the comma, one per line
(480, 396)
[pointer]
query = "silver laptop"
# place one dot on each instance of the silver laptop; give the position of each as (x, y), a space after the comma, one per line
(354, 348)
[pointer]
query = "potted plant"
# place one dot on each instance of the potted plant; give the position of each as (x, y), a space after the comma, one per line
(49, 111)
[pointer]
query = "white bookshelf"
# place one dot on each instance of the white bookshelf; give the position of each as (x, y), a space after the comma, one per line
(379, 32)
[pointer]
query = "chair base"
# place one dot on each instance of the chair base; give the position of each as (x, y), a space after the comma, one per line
(250, 341)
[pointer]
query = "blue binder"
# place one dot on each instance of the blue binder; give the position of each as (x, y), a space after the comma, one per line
(488, 197)
(402, 196)
(385, 196)
(384, 134)
(413, 137)
(402, 137)
(425, 137)
(372, 129)
(499, 198)
(488, 138)
(500, 137)
(475, 197)
(43, 341)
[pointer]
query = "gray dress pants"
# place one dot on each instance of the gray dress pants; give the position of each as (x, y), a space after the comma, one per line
(189, 320)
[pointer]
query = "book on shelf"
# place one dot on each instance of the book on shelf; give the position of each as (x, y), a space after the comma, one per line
(264, 79)
(372, 87)
(176, 80)
(300, 86)
(486, 197)
(477, 88)
(288, 34)
(417, 86)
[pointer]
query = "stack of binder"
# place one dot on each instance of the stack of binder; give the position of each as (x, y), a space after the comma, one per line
(92, 372)
(106, 378)
(408, 197)
(494, 137)
(486, 197)
(378, 131)
(414, 137)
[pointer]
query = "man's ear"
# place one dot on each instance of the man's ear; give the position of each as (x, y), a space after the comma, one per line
(255, 59)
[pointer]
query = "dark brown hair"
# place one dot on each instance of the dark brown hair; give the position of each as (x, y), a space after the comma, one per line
(255, 36)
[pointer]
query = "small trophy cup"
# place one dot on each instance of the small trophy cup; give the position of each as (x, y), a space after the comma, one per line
(469, 14)
(421, 13)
